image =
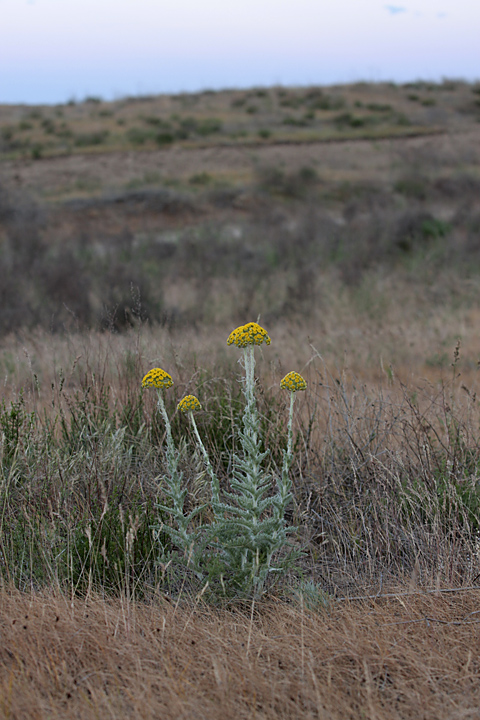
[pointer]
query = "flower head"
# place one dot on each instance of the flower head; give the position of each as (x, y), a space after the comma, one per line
(157, 378)
(293, 382)
(189, 403)
(249, 334)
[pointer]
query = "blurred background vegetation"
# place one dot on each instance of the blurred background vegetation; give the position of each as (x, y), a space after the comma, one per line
(200, 208)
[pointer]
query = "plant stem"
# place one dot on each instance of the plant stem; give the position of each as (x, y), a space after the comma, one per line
(249, 361)
(174, 482)
(213, 478)
(284, 486)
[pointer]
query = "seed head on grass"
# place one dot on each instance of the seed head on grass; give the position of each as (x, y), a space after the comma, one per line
(249, 334)
(157, 378)
(189, 404)
(293, 382)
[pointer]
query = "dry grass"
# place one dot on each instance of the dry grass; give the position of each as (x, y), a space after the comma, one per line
(349, 161)
(407, 657)
(373, 335)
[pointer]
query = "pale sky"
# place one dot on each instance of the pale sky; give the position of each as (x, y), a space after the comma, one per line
(55, 50)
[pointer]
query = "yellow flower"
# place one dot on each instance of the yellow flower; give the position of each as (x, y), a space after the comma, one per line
(157, 378)
(189, 403)
(293, 382)
(249, 334)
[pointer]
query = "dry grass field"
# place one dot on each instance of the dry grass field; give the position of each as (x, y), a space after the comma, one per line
(138, 234)
(405, 657)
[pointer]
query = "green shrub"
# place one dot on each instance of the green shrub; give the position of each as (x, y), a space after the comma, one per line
(164, 138)
(209, 126)
(157, 122)
(324, 102)
(37, 151)
(138, 136)
(294, 185)
(7, 133)
(238, 102)
(294, 121)
(379, 107)
(349, 120)
(202, 178)
(188, 124)
(49, 126)
(402, 120)
(92, 138)
(435, 228)
(417, 230)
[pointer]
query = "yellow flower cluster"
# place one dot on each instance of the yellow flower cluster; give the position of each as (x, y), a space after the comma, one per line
(249, 334)
(189, 403)
(157, 378)
(293, 382)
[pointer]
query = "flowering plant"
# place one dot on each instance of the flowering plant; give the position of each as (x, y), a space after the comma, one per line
(247, 542)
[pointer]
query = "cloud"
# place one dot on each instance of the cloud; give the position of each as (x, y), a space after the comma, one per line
(395, 9)
(441, 15)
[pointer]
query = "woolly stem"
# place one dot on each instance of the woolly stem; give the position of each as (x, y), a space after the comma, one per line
(171, 454)
(174, 480)
(215, 485)
(285, 485)
(249, 361)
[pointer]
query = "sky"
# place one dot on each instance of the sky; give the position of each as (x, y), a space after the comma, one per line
(52, 51)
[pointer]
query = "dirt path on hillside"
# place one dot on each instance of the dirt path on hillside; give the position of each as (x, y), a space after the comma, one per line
(379, 160)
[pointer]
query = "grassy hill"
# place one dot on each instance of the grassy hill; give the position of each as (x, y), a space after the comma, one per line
(232, 117)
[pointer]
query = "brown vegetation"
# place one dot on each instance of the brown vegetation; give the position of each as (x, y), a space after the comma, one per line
(405, 657)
